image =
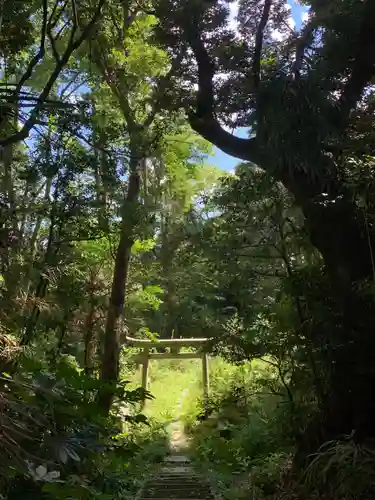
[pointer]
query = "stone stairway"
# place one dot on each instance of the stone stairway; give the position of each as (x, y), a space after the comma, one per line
(176, 480)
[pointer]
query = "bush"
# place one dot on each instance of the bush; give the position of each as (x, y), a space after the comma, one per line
(342, 469)
(247, 438)
(55, 442)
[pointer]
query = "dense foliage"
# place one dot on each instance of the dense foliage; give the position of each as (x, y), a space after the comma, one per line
(112, 222)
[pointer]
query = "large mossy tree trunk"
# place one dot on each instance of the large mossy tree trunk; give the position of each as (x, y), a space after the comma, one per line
(336, 226)
(111, 342)
(339, 232)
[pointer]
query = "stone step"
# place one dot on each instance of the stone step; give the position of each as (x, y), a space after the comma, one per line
(177, 486)
(176, 459)
(179, 494)
(178, 472)
(183, 493)
(176, 480)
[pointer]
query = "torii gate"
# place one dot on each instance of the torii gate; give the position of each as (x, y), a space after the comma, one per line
(144, 357)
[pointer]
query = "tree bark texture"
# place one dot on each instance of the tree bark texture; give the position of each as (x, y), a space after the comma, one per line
(111, 343)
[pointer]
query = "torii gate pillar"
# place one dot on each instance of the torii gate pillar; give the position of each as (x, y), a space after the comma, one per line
(145, 365)
(205, 377)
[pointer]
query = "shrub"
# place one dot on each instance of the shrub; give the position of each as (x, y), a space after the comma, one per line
(342, 469)
(54, 441)
(247, 439)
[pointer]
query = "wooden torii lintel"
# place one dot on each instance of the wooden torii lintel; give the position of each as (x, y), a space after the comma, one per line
(144, 357)
(165, 342)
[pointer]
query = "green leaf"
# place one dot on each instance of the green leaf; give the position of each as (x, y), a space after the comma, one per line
(137, 419)
(72, 454)
(63, 454)
(142, 246)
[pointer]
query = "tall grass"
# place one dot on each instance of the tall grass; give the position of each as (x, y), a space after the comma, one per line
(245, 442)
(176, 385)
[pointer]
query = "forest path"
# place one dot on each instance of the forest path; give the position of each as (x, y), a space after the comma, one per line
(177, 478)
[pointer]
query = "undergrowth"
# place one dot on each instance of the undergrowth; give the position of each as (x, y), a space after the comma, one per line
(175, 387)
(243, 435)
(55, 444)
(245, 438)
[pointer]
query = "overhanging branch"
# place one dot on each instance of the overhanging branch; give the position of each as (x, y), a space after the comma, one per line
(259, 43)
(204, 120)
(301, 44)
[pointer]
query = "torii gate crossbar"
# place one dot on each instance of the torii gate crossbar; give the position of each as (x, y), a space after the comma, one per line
(144, 357)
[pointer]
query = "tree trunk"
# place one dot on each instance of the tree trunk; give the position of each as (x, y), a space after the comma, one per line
(101, 184)
(42, 285)
(6, 158)
(63, 331)
(339, 230)
(89, 330)
(9, 233)
(33, 241)
(336, 226)
(111, 344)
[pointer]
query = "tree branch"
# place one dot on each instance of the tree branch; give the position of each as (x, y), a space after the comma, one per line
(40, 54)
(255, 70)
(52, 22)
(157, 99)
(75, 15)
(99, 59)
(301, 45)
(53, 47)
(50, 26)
(364, 61)
(69, 84)
(204, 121)
(72, 46)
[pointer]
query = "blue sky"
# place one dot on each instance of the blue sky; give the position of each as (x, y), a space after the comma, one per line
(224, 161)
